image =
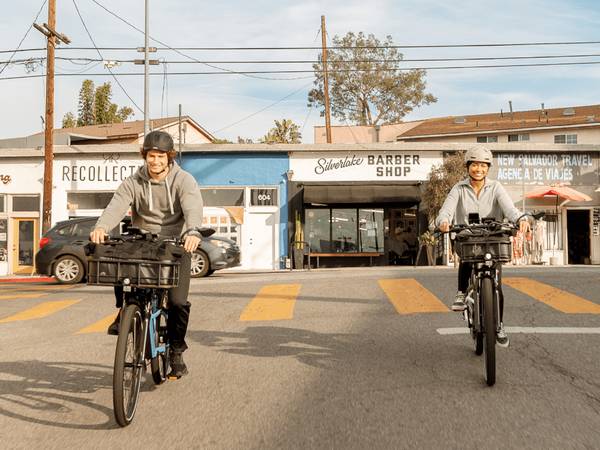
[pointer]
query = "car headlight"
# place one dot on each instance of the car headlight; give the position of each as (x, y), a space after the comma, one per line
(219, 243)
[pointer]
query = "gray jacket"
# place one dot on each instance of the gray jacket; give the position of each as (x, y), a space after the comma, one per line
(493, 201)
(162, 207)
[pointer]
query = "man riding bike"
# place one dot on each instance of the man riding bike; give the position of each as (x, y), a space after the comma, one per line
(487, 198)
(162, 198)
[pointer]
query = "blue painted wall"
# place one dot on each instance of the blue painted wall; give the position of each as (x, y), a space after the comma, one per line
(241, 169)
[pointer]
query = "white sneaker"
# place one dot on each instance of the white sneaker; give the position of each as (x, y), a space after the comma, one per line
(502, 339)
(459, 302)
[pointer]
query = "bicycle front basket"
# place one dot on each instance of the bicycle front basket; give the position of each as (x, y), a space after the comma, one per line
(142, 273)
(474, 248)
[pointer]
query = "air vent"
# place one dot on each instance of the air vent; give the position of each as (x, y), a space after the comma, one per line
(459, 120)
(569, 112)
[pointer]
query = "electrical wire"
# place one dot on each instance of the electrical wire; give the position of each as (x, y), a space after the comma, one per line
(24, 37)
(100, 54)
(401, 69)
(181, 53)
(263, 109)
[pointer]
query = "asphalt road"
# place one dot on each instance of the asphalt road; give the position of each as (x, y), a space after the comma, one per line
(327, 359)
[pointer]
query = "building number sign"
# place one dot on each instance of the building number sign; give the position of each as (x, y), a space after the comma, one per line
(263, 197)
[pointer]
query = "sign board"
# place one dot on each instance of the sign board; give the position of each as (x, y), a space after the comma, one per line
(596, 222)
(545, 168)
(363, 166)
(263, 197)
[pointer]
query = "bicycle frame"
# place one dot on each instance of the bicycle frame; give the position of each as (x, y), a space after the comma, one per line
(150, 302)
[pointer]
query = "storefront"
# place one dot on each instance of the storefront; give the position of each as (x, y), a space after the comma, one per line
(568, 233)
(358, 205)
(244, 196)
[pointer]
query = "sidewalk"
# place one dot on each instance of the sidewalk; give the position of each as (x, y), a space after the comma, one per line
(26, 279)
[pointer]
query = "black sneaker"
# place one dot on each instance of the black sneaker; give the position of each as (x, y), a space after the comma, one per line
(113, 328)
(502, 338)
(459, 302)
(178, 367)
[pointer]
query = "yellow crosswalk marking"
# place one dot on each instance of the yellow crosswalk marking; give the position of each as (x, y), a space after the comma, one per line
(409, 296)
(98, 327)
(18, 296)
(273, 302)
(40, 311)
(556, 298)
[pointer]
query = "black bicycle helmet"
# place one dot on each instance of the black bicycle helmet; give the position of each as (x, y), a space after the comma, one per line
(158, 140)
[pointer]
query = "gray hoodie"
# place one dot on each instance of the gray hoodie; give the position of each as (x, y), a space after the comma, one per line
(162, 207)
(493, 201)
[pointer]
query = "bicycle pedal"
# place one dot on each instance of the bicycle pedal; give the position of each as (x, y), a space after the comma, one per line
(173, 378)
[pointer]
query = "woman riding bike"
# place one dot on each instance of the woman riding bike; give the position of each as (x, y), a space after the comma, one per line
(487, 198)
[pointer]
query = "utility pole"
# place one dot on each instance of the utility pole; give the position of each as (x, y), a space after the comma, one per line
(180, 134)
(147, 63)
(146, 68)
(325, 81)
(48, 30)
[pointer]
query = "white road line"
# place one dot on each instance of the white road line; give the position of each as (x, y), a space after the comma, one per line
(528, 330)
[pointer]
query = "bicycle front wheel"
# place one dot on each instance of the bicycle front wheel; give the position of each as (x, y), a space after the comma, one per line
(489, 330)
(129, 364)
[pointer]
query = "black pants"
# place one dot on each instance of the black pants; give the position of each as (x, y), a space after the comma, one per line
(464, 272)
(179, 307)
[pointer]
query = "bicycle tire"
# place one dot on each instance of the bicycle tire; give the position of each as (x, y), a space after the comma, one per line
(159, 365)
(489, 330)
(126, 391)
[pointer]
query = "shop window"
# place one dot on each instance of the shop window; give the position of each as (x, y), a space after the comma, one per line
(223, 226)
(223, 197)
(370, 230)
(3, 240)
(553, 234)
(88, 200)
(318, 230)
(345, 230)
(25, 204)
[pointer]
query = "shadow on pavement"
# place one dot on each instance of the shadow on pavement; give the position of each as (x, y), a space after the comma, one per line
(309, 347)
(54, 394)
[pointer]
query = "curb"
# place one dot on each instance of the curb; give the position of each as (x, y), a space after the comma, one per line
(28, 280)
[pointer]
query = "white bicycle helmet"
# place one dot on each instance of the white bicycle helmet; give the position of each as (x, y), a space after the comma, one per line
(479, 154)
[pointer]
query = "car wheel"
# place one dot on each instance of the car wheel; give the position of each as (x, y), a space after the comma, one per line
(200, 265)
(68, 270)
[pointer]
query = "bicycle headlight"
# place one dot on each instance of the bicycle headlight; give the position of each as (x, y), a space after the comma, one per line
(126, 282)
(488, 256)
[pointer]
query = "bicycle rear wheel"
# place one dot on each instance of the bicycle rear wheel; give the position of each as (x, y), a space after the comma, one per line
(489, 330)
(160, 364)
(129, 364)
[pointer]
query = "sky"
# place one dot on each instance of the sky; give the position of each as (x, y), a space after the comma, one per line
(234, 105)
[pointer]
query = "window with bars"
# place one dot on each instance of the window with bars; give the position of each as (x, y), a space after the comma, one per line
(223, 226)
(518, 137)
(565, 139)
(487, 139)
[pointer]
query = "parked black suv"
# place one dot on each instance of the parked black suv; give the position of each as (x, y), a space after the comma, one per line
(62, 254)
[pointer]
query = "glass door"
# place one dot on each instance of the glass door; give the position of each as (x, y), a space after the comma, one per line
(25, 245)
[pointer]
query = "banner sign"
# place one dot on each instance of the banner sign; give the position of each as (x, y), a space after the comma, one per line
(363, 166)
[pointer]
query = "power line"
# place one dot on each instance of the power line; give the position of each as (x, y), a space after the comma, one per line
(263, 109)
(403, 69)
(100, 54)
(307, 61)
(176, 50)
(24, 37)
(334, 47)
